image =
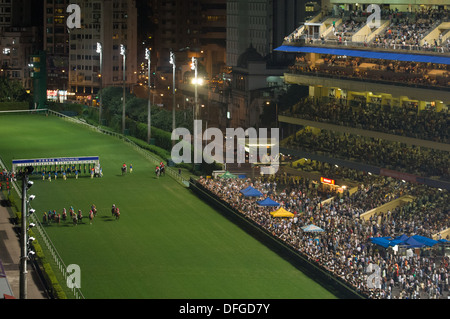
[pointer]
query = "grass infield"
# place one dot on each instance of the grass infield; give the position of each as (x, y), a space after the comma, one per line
(167, 244)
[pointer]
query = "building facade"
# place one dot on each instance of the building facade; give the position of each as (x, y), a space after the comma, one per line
(262, 24)
(111, 24)
(20, 37)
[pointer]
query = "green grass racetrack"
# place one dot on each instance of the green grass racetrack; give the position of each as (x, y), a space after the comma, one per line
(167, 244)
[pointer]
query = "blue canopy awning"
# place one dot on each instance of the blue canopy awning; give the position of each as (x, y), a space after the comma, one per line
(252, 193)
(411, 242)
(245, 189)
(268, 202)
(425, 240)
(381, 241)
(367, 54)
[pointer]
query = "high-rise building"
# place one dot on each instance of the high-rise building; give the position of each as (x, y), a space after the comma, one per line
(56, 43)
(254, 29)
(19, 38)
(16, 47)
(262, 24)
(199, 25)
(111, 24)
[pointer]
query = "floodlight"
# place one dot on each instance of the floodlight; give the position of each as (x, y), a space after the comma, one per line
(172, 58)
(31, 197)
(31, 211)
(29, 184)
(31, 225)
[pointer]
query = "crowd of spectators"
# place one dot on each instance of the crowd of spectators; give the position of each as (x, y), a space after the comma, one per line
(383, 71)
(425, 162)
(344, 248)
(426, 124)
(405, 30)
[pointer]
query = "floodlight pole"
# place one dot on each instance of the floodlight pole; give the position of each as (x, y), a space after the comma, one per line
(195, 66)
(100, 51)
(124, 54)
(173, 62)
(23, 243)
(149, 111)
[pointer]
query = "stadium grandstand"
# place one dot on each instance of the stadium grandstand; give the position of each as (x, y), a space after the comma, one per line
(365, 156)
(377, 89)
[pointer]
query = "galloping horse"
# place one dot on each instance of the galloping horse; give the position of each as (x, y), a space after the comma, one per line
(117, 213)
(162, 170)
(124, 169)
(94, 210)
(80, 215)
(91, 216)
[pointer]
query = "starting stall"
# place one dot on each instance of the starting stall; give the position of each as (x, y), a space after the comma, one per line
(65, 166)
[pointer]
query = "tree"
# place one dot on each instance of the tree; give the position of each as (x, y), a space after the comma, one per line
(12, 90)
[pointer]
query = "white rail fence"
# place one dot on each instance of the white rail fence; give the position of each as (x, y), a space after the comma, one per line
(150, 156)
(41, 230)
(48, 243)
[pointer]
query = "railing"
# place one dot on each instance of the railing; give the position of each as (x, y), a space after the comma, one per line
(303, 40)
(48, 243)
(40, 229)
(56, 257)
(151, 157)
(319, 74)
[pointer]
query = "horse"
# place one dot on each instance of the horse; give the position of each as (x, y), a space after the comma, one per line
(94, 210)
(80, 215)
(113, 210)
(162, 170)
(91, 216)
(124, 170)
(157, 171)
(45, 219)
(117, 213)
(74, 219)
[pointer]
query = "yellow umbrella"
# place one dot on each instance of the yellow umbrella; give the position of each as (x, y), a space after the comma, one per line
(281, 212)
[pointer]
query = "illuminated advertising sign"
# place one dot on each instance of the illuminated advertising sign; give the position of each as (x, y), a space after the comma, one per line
(327, 181)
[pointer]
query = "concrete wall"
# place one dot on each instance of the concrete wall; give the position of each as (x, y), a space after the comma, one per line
(388, 206)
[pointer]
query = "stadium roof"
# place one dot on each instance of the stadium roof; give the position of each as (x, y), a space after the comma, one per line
(367, 54)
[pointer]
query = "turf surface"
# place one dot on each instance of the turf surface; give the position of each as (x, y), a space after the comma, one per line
(167, 243)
